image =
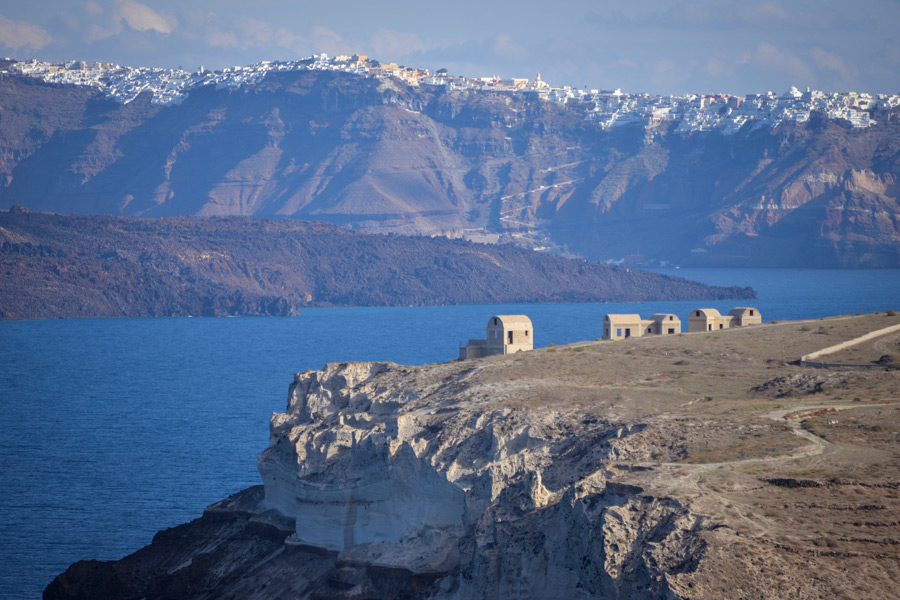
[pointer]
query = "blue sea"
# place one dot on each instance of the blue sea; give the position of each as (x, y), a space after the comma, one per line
(115, 428)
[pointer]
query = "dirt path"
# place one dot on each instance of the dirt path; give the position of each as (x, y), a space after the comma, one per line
(693, 480)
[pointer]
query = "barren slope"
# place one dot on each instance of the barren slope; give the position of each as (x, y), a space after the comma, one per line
(61, 267)
(690, 466)
(384, 157)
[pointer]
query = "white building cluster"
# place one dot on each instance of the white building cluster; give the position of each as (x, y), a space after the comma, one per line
(169, 86)
(729, 113)
(608, 108)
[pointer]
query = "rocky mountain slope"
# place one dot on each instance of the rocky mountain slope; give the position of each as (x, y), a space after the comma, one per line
(381, 156)
(667, 467)
(57, 267)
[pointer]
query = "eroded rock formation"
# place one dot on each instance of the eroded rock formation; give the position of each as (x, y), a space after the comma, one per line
(597, 470)
(506, 506)
(386, 158)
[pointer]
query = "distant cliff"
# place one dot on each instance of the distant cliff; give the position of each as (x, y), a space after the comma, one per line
(66, 266)
(380, 156)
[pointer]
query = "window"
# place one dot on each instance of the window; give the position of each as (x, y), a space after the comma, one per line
(721, 326)
(619, 332)
(671, 330)
(709, 327)
(606, 332)
(671, 318)
(509, 336)
(751, 312)
(698, 313)
(495, 320)
(526, 333)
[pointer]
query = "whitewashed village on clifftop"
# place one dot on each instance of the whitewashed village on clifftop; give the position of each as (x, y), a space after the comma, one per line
(609, 108)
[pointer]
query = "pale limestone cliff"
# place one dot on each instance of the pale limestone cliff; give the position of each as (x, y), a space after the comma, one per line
(423, 476)
(663, 467)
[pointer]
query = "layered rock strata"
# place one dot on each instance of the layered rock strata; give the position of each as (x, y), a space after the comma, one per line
(500, 505)
(666, 467)
(380, 156)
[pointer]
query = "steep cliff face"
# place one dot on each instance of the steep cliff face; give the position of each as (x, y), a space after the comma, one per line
(503, 505)
(664, 467)
(383, 157)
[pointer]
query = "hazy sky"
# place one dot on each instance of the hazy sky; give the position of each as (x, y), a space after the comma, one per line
(656, 46)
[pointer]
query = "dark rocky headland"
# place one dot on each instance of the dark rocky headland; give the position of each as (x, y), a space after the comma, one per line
(58, 266)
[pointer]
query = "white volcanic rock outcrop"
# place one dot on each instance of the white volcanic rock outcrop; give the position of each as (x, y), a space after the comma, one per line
(663, 467)
(360, 481)
(428, 478)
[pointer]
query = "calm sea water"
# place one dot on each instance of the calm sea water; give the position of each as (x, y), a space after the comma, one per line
(115, 428)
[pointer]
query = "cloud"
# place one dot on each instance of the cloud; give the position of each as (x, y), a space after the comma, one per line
(93, 8)
(892, 52)
(248, 33)
(718, 65)
(832, 62)
(765, 13)
(744, 15)
(100, 22)
(392, 44)
(666, 67)
(507, 47)
(770, 57)
(694, 13)
(326, 40)
(143, 18)
(219, 38)
(18, 35)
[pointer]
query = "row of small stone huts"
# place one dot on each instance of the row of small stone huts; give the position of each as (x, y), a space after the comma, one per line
(507, 334)
(619, 327)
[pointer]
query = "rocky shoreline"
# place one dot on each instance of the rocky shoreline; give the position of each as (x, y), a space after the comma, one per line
(602, 469)
(60, 266)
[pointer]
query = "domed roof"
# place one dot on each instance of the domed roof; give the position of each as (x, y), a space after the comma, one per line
(623, 318)
(511, 321)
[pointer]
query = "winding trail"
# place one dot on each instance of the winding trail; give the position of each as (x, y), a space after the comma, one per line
(692, 473)
(794, 418)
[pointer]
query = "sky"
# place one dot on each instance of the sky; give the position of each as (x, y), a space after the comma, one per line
(659, 47)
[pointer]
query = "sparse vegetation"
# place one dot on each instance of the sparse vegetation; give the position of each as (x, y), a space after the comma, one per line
(719, 439)
(103, 266)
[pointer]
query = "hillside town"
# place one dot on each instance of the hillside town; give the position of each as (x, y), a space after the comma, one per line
(608, 108)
